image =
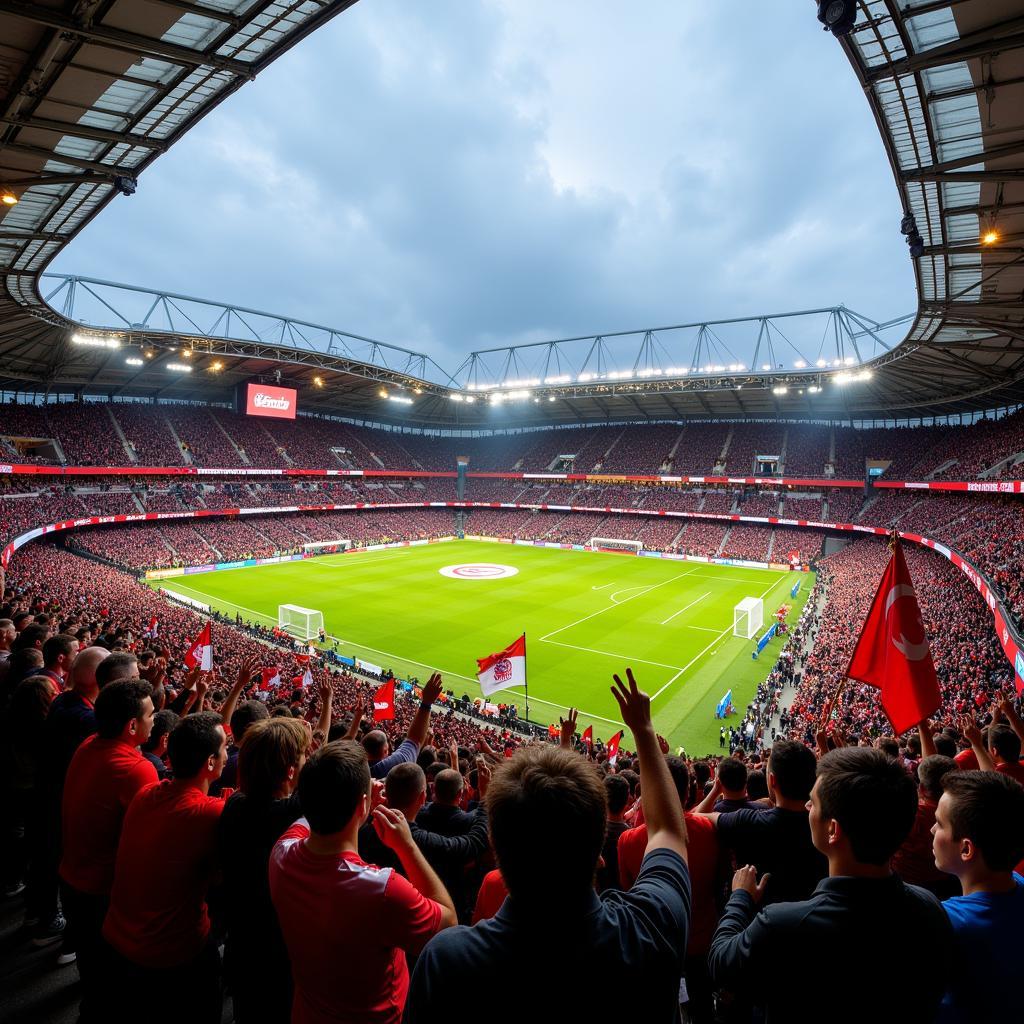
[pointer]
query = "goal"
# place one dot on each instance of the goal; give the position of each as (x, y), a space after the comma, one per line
(326, 547)
(748, 617)
(614, 544)
(302, 623)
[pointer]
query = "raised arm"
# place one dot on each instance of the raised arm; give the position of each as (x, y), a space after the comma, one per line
(357, 717)
(1009, 712)
(663, 813)
(323, 725)
(393, 830)
(421, 723)
(568, 727)
(924, 730)
(244, 675)
(972, 734)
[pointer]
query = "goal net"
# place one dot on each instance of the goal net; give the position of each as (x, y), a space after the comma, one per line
(748, 617)
(302, 623)
(614, 544)
(327, 547)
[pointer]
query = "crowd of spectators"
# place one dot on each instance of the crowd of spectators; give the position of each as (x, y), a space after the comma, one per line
(748, 542)
(215, 436)
(254, 833)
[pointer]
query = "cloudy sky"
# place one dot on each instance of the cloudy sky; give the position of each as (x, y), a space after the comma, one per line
(451, 175)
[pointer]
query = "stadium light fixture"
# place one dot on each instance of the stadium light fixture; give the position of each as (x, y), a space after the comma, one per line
(470, 399)
(415, 391)
(799, 364)
(813, 389)
(382, 393)
(990, 237)
(96, 340)
(179, 367)
(401, 399)
(837, 16)
(318, 382)
(8, 197)
(216, 366)
(821, 362)
(552, 398)
(133, 361)
(780, 389)
(457, 398)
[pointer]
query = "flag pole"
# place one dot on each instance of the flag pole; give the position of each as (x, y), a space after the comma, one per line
(526, 679)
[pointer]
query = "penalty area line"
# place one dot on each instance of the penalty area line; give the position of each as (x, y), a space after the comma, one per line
(694, 660)
(665, 622)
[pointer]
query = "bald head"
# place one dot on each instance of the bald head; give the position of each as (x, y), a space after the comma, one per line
(82, 677)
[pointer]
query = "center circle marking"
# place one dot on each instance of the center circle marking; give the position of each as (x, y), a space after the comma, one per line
(479, 571)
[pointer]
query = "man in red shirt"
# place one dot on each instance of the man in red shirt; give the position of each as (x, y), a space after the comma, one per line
(347, 924)
(158, 924)
(105, 774)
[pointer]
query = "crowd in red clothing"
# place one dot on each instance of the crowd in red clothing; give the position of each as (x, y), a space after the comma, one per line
(123, 433)
(272, 841)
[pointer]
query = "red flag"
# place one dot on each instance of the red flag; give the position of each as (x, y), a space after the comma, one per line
(588, 736)
(613, 748)
(384, 702)
(270, 677)
(302, 659)
(200, 652)
(154, 626)
(892, 652)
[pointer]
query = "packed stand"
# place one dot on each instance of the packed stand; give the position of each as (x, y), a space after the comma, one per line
(147, 431)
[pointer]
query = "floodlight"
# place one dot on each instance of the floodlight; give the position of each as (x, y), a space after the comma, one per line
(837, 16)
(8, 197)
(132, 361)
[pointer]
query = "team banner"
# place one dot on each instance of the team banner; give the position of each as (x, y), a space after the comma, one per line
(504, 669)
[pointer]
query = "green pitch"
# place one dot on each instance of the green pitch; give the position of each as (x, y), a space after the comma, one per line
(585, 615)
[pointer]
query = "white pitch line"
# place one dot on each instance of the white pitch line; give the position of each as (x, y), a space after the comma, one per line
(694, 660)
(610, 654)
(401, 657)
(604, 586)
(665, 622)
(626, 590)
(612, 607)
(703, 629)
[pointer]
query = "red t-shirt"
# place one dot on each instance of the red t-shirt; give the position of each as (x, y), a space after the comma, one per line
(491, 896)
(347, 925)
(914, 861)
(702, 854)
(102, 780)
(167, 856)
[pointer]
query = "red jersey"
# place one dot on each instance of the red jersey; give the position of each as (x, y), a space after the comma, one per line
(491, 896)
(102, 780)
(167, 856)
(347, 925)
(702, 855)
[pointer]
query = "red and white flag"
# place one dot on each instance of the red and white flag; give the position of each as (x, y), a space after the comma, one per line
(588, 736)
(613, 748)
(892, 652)
(270, 677)
(384, 702)
(302, 659)
(200, 653)
(504, 669)
(307, 678)
(154, 627)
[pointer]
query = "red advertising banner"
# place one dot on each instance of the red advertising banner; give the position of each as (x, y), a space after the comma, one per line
(264, 400)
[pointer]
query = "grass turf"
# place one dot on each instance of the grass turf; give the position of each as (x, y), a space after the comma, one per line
(585, 614)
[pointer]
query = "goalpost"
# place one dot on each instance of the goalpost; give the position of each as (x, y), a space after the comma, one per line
(326, 547)
(748, 617)
(615, 544)
(302, 623)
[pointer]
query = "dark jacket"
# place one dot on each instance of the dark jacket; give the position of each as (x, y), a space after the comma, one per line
(860, 949)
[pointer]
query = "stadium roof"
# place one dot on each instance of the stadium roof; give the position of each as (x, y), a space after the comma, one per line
(92, 92)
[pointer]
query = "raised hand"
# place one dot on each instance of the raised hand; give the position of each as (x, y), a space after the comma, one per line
(377, 794)
(483, 777)
(568, 725)
(634, 704)
(245, 673)
(392, 828)
(970, 730)
(746, 879)
(325, 689)
(433, 689)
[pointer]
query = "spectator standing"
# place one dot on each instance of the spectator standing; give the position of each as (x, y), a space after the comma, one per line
(862, 807)
(256, 964)
(377, 745)
(317, 879)
(159, 927)
(105, 774)
(978, 837)
(553, 925)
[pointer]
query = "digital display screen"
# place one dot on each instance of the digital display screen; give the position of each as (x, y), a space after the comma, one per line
(265, 400)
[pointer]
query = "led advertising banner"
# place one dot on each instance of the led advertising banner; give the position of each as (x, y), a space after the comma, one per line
(265, 400)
